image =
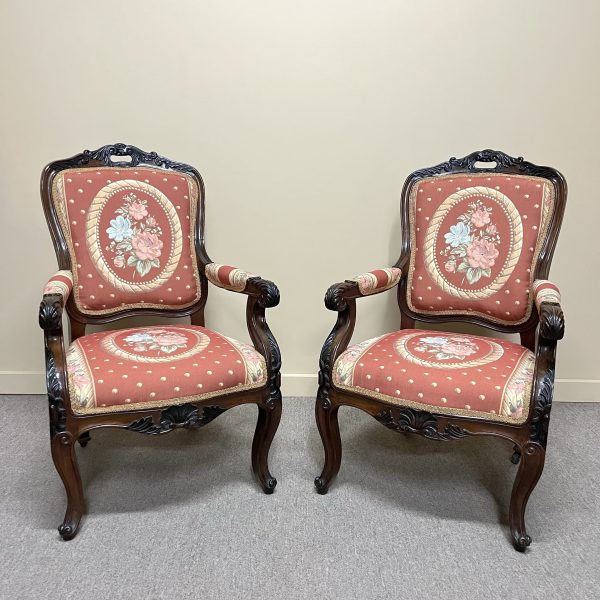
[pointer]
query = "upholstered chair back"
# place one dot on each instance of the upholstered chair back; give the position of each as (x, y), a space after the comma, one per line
(477, 240)
(130, 236)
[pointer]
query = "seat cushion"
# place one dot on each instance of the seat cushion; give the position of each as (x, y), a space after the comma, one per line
(146, 367)
(448, 373)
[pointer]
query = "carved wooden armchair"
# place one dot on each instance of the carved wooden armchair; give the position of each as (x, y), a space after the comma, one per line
(477, 245)
(128, 230)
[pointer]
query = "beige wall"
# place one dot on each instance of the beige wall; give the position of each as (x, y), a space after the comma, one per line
(304, 119)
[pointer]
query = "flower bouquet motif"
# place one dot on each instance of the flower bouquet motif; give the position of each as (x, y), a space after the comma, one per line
(159, 339)
(81, 388)
(445, 348)
(135, 237)
(518, 389)
(343, 369)
(471, 244)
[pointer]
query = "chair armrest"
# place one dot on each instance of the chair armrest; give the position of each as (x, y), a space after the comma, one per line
(546, 297)
(237, 280)
(262, 294)
(227, 277)
(366, 284)
(55, 295)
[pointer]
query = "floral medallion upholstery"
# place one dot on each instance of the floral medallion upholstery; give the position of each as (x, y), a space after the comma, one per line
(60, 283)
(447, 372)
(475, 240)
(377, 280)
(229, 278)
(154, 366)
(130, 234)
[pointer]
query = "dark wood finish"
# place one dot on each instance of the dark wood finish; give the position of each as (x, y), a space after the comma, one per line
(66, 428)
(539, 333)
(84, 439)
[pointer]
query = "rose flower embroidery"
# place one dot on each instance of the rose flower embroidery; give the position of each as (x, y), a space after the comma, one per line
(447, 347)
(471, 244)
(146, 245)
(482, 254)
(135, 237)
(161, 340)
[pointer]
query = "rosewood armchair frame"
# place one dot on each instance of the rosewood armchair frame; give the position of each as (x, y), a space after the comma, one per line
(66, 427)
(539, 334)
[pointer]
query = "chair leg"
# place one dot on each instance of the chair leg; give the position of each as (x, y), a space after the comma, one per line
(530, 469)
(84, 438)
(516, 455)
(65, 461)
(327, 422)
(266, 426)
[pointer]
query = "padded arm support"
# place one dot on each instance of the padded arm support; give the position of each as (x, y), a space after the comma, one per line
(60, 283)
(366, 284)
(226, 277)
(546, 297)
(56, 292)
(377, 280)
(238, 280)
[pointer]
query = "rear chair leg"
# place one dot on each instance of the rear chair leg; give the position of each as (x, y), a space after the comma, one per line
(65, 461)
(516, 455)
(84, 438)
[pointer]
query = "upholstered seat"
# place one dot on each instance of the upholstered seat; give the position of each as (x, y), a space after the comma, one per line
(148, 367)
(454, 373)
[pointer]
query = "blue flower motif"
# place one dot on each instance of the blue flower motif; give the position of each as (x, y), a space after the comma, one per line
(138, 337)
(436, 341)
(458, 234)
(120, 228)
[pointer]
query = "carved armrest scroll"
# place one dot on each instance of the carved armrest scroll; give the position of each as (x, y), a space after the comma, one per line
(546, 297)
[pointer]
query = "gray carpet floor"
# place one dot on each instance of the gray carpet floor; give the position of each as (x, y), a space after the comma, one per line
(180, 516)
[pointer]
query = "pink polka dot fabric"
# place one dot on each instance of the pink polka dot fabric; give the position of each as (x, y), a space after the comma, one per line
(147, 367)
(130, 234)
(447, 372)
(475, 241)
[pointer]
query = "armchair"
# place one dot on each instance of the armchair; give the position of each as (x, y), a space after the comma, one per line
(477, 245)
(128, 231)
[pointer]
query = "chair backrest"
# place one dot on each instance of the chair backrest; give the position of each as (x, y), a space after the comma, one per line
(476, 236)
(128, 224)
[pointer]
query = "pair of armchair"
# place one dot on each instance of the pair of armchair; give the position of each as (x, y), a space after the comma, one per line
(128, 230)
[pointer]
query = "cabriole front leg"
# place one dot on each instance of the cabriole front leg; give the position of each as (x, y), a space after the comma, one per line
(269, 415)
(65, 461)
(530, 469)
(327, 422)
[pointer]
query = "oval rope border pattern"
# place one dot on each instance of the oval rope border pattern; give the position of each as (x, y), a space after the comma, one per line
(92, 235)
(511, 259)
(400, 346)
(109, 344)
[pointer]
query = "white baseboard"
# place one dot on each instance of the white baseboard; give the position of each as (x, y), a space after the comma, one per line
(298, 384)
(22, 382)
